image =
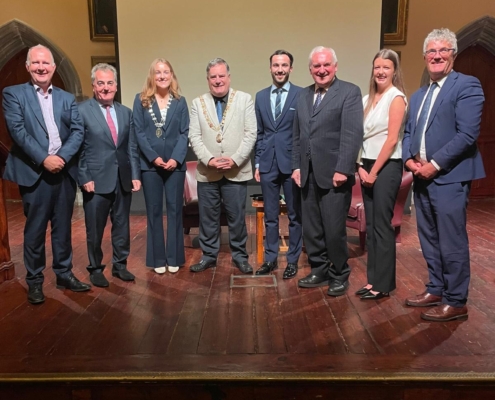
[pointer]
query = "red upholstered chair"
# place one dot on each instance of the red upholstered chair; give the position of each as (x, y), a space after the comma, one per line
(356, 217)
(190, 211)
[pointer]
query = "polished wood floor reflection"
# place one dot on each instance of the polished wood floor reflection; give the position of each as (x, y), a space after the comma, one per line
(195, 323)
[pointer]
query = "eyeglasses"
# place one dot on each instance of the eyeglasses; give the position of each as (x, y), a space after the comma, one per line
(443, 52)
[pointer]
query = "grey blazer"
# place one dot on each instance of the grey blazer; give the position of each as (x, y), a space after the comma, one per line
(239, 136)
(101, 160)
(333, 133)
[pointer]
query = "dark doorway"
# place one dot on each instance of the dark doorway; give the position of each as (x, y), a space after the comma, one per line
(479, 62)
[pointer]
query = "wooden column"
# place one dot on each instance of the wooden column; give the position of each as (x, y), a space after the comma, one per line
(6, 265)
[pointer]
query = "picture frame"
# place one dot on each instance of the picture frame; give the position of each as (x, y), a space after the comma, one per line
(394, 21)
(102, 20)
(104, 59)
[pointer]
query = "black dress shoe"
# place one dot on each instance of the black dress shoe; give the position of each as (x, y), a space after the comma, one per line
(290, 271)
(371, 296)
(203, 265)
(243, 266)
(337, 288)
(313, 280)
(123, 274)
(72, 283)
(35, 294)
(267, 267)
(98, 279)
(362, 291)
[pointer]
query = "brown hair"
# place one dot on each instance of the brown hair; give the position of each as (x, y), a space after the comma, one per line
(397, 79)
(147, 95)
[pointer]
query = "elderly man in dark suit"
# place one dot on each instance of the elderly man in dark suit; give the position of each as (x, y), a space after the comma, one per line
(275, 107)
(328, 133)
(108, 173)
(47, 132)
(439, 147)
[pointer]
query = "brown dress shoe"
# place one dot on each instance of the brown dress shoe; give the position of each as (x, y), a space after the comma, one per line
(445, 313)
(424, 300)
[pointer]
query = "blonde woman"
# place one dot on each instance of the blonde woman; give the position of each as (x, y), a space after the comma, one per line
(380, 170)
(161, 121)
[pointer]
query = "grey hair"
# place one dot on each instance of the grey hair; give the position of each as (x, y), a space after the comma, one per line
(217, 61)
(322, 49)
(103, 67)
(38, 47)
(442, 34)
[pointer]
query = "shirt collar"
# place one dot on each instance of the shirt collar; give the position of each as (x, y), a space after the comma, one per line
(222, 99)
(104, 106)
(441, 81)
(285, 88)
(324, 89)
(39, 89)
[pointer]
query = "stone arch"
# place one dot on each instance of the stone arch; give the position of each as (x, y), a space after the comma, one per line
(479, 32)
(16, 35)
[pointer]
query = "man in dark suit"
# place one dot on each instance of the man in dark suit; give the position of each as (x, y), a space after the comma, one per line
(275, 107)
(108, 173)
(47, 133)
(328, 133)
(439, 147)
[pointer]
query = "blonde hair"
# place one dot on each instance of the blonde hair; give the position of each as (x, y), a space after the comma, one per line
(147, 95)
(397, 80)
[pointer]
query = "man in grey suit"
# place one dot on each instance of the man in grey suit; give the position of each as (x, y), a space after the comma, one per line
(108, 173)
(328, 133)
(47, 132)
(222, 133)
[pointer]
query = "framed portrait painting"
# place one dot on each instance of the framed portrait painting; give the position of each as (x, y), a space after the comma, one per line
(102, 19)
(394, 21)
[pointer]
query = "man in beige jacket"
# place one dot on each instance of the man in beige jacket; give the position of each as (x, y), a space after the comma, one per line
(222, 133)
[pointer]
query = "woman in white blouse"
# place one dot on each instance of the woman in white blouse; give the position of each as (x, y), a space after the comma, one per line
(380, 170)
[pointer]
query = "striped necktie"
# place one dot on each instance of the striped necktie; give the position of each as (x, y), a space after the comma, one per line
(278, 102)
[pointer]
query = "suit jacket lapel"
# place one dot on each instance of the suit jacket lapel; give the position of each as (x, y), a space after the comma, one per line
(170, 112)
(230, 111)
(268, 105)
(57, 104)
(290, 96)
(310, 99)
(95, 109)
(34, 103)
(447, 85)
(120, 121)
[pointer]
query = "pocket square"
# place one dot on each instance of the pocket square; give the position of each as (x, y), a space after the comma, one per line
(292, 109)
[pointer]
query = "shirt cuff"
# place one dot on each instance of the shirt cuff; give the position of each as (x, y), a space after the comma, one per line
(257, 166)
(435, 165)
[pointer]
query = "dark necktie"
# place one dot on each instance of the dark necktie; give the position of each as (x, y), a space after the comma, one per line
(420, 126)
(320, 91)
(111, 125)
(219, 111)
(278, 103)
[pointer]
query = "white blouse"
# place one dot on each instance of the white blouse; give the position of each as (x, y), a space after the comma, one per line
(376, 126)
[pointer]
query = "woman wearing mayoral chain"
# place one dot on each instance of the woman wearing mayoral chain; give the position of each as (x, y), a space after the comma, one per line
(161, 121)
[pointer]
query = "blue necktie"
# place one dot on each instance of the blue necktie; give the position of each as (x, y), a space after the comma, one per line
(219, 111)
(420, 126)
(318, 99)
(278, 103)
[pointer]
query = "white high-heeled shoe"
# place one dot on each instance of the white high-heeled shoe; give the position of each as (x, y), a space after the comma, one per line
(173, 269)
(161, 270)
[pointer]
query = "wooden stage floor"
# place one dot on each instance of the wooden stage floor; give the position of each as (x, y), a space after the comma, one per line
(195, 327)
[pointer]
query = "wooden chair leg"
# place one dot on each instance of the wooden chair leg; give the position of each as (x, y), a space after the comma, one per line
(398, 238)
(362, 240)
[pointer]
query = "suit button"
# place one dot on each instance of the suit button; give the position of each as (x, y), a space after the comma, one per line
(276, 131)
